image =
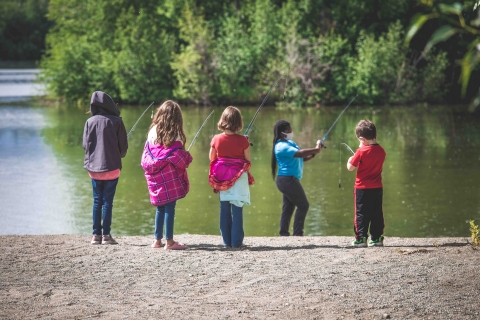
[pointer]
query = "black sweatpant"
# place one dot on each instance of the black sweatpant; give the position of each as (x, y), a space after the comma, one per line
(368, 213)
(293, 196)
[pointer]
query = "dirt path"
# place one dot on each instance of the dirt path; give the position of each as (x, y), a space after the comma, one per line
(64, 277)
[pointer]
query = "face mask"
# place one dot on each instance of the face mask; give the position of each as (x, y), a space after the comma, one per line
(289, 135)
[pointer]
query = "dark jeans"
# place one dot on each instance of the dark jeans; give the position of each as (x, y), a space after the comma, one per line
(293, 196)
(103, 193)
(368, 213)
(231, 224)
(165, 215)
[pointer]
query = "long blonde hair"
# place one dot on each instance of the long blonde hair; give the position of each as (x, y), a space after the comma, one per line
(169, 121)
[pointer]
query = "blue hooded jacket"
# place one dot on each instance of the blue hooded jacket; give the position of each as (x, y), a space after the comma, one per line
(104, 135)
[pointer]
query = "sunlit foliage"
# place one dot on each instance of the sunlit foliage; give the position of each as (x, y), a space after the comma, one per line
(213, 52)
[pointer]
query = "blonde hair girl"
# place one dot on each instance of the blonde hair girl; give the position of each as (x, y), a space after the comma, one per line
(165, 161)
(167, 125)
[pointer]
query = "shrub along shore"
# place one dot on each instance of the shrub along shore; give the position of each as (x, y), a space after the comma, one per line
(212, 52)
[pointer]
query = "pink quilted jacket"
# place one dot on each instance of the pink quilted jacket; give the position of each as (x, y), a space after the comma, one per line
(165, 171)
(224, 172)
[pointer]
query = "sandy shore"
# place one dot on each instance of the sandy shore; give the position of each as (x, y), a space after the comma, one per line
(64, 277)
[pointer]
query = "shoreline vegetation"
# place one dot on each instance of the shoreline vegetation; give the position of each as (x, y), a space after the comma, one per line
(63, 276)
(215, 53)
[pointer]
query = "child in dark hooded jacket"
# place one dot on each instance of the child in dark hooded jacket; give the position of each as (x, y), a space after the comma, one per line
(105, 143)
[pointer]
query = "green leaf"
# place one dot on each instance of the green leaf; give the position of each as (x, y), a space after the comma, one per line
(441, 34)
(468, 63)
(416, 23)
(455, 8)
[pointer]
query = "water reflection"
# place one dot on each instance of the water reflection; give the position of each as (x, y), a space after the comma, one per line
(430, 174)
(35, 197)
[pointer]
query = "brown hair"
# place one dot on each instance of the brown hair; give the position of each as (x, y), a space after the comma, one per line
(366, 129)
(169, 121)
(231, 119)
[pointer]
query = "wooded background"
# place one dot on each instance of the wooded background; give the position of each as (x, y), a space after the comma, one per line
(217, 52)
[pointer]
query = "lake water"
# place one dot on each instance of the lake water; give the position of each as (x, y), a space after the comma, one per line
(431, 174)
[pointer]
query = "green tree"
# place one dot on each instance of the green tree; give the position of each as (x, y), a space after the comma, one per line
(121, 47)
(454, 23)
(193, 66)
(23, 27)
(211, 52)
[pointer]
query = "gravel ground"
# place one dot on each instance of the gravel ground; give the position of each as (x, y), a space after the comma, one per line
(64, 277)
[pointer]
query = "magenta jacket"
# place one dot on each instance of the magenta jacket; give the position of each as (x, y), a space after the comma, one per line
(224, 172)
(165, 171)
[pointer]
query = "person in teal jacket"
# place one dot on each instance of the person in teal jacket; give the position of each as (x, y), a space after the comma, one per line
(290, 158)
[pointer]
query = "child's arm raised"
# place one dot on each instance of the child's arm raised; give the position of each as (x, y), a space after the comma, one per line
(350, 167)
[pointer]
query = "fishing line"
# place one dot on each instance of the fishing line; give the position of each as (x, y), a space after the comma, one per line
(213, 127)
(326, 134)
(201, 127)
(261, 105)
(340, 169)
(340, 162)
(348, 148)
(133, 128)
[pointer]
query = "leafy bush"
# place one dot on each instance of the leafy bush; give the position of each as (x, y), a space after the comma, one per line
(382, 74)
(193, 66)
(475, 233)
(213, 52)
(141, 55)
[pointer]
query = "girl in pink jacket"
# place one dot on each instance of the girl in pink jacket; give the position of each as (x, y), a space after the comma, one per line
(165, 161)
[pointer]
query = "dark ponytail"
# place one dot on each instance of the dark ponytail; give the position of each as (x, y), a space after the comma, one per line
(279, 127)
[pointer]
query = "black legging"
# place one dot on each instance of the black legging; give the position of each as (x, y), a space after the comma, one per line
(293, 196)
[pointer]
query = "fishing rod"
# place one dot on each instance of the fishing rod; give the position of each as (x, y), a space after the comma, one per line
(326, 134)
(261, 105)
(348, 148)
(133, 128)
(340, 163)
(201, 127)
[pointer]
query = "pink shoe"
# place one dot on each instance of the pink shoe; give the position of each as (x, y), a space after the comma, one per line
(176, 246)
(107, 239)
(96, 239)
(155, 245)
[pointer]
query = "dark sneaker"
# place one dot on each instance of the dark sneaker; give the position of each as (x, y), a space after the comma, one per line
(107, 239)
(96, 239)
(376, 243)
(361, 242)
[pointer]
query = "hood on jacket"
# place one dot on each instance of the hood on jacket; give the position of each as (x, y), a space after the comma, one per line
(102, 102)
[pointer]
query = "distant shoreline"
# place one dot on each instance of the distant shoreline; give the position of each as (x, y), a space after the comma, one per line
(19, 85)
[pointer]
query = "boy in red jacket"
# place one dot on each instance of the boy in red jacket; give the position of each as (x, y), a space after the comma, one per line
(368, 191)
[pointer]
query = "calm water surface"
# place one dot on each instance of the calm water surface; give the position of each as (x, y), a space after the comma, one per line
(431, 174)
